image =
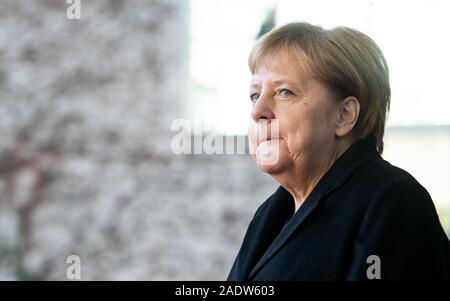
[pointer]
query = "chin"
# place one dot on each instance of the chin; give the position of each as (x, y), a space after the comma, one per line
(271, 169)
(271, 159)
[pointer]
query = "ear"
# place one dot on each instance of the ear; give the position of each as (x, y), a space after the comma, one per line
(348, 115)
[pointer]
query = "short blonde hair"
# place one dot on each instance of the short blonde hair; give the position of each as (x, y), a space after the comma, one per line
(346, 60)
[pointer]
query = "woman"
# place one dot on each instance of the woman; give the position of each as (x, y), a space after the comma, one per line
(341, 212)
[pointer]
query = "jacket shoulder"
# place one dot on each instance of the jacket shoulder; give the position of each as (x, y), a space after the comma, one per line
(387, 178)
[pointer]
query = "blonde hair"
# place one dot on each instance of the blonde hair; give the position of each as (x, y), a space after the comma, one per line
(346, 60)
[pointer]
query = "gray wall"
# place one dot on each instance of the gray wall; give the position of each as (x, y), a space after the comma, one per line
(85, 163)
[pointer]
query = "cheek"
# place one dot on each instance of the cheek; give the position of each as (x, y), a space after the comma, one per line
(309, 130)
(303, 132)
(295, 128)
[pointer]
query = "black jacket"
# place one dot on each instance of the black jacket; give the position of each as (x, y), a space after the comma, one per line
(362, 206)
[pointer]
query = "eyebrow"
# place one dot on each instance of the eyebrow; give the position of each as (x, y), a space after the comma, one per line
(278, 82)
(283, 81)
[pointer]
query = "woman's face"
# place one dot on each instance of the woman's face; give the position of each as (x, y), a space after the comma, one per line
(305, 109)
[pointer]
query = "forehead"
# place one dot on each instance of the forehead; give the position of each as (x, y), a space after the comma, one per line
(280, 66)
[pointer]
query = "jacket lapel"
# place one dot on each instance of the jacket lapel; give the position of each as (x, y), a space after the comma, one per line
(299, 217)
(263, 229)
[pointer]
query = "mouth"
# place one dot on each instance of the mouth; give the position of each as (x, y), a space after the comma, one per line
(267, 140)
(260, 140)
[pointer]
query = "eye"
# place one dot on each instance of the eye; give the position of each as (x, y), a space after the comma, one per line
(285, 92)
(254, 97)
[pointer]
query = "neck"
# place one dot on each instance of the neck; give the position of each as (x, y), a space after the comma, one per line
(307, 170)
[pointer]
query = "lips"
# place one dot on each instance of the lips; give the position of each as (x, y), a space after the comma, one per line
(261, 139)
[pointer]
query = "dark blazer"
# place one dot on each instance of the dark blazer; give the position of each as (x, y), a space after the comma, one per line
(362, 206)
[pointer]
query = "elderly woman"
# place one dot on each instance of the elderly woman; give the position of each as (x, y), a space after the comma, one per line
(341, 212)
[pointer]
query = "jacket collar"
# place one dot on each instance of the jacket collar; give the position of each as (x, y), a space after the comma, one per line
(360, 152)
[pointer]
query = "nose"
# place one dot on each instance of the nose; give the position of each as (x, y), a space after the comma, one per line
(262, 110)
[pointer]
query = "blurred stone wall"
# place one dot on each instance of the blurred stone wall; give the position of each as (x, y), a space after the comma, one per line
(85, 162)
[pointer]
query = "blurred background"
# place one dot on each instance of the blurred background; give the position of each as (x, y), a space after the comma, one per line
(86, 107)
